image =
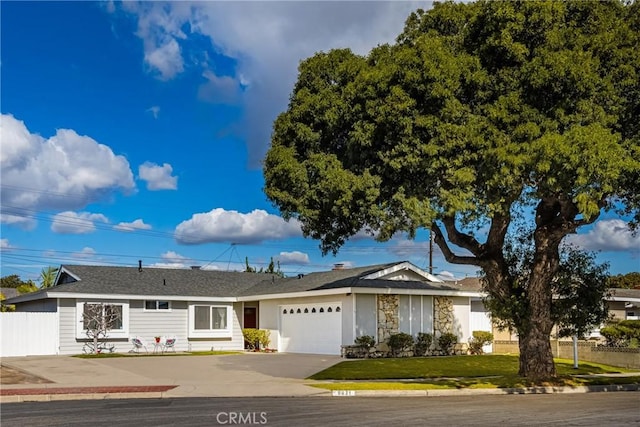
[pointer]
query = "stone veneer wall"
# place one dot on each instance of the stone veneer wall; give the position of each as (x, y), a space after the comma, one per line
(443, 316)
(388, 322)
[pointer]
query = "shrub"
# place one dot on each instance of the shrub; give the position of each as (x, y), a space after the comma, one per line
(365, 341)
(479, 340)
(256, 338)
(447, 342)
(624, 333)
(399, 343)
(423, 343)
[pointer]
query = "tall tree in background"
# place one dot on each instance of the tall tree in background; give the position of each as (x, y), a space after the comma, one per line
(14, 281)
(480, 113)
(48, 276)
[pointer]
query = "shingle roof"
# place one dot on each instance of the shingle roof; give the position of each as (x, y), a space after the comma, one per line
(9, 292)
(621, 293)
(353, 278)
(106, 280)
(156, 281)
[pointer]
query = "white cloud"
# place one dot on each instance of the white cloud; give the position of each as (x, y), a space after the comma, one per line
(158, 177)
(85, 253)
(76, 223)
(409, 248)
(5, 245)
(607, 235)
(24, 222)
(220, 225)
(138, 224)
(174, 257)
(267, 40)
(295, 257)
(154, 110)
(64, 172)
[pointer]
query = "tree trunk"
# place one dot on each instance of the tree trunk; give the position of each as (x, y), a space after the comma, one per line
(536, 358)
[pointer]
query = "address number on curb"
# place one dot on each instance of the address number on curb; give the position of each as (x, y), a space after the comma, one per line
(343, 393)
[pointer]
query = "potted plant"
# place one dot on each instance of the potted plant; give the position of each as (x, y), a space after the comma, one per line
(157, 339)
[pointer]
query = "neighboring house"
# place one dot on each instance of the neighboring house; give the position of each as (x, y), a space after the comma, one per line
(9, 292)
(310, 313)
(624, 304)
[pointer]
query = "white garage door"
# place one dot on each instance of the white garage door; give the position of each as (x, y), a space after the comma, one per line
(311, 328)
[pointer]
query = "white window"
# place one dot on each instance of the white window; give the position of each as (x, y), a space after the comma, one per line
(152, 305)
(112, 316)
(210, 321)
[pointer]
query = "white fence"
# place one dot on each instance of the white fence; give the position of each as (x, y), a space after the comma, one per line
(28, 334)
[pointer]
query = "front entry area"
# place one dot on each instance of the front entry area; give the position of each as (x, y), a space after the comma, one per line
(311, 328)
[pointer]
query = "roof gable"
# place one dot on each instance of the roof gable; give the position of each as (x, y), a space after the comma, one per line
(404, 271)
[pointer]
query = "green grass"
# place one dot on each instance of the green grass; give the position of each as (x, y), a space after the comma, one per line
(192, 353)
(458, 372)
(474, 383)
(462, 371)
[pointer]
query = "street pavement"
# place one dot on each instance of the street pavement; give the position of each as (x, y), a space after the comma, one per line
(47, 378)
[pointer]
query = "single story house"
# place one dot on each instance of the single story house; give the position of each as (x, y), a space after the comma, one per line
(310, 313)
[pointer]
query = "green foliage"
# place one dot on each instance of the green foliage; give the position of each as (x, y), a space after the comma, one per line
(272, 268)
(479, 339)
(579, 288)
(47, 277)
(256, 338)
(479, 114)
(365, 341)
(423, 344)
(625, 281)
(625, 333)
(3, 306)
(399, 343)
(27, 288)
(14, 281)
(447, 342)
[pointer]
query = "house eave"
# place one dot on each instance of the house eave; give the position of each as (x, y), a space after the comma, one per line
(298, 294)
(88, 296)
(360, 290)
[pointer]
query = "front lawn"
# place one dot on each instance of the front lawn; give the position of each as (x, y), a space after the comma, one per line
(456, 372)
(446, 367)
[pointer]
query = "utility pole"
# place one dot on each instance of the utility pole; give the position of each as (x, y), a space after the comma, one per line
(430, 252)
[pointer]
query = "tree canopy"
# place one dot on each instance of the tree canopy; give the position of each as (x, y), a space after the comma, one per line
(478, 114)
(628, 281)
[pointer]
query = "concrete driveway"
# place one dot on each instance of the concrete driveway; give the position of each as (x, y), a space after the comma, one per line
(241, 375)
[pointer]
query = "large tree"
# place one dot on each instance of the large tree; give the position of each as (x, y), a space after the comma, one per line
(480, 113)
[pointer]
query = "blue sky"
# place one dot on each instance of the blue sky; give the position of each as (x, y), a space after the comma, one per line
(135, 131)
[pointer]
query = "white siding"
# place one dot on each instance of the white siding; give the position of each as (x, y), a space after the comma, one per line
(147, 324)
(481, 321)
(28, 334)
(461, 313)
(68, 342)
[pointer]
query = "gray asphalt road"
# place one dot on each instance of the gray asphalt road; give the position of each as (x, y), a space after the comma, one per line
(597, 409)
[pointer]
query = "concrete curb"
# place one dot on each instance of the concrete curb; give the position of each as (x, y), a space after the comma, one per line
(59, 396)
(486, 391)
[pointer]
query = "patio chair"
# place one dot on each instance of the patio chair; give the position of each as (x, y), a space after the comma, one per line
(138, 343)
(170, 344)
